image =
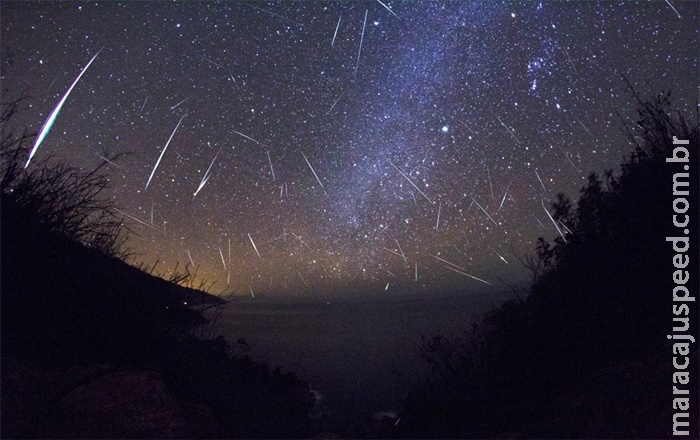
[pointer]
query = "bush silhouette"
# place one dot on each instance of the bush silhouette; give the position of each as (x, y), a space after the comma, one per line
(69, 300)
(585, 354)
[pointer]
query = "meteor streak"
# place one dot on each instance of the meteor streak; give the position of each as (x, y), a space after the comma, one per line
(206, 175)
(565, 227)
(504, 196)
(359, 51)
(409, 181)
(393, 252)
(336, 30)
(401, 250)
(275, 15)
(470, 276)
(445, 261)
(181, 102)
(569, 57)
(254, 247)
(137, 220)
(222, 258)
(163, 152)
(302, 278)
(249, 138)
(674, 9)
(336, 101)
(144, 103)
(272, 170)
(585, 128)
(54, 113)
(312, 170)
(392, 12)
(499, 255)
(437, 223)
(572, 164)
(214, 63)
(509, 131)
(108, 161)
(552, 219)
(302, 241)
(538, 178)
(538, 221)
(487, 214)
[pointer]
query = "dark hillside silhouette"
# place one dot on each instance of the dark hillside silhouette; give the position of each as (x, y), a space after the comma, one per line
(585, 354)
(93, 347)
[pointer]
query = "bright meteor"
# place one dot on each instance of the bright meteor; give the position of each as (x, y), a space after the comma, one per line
(52, 117)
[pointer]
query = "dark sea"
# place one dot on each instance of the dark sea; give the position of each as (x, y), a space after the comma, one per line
(360, 355)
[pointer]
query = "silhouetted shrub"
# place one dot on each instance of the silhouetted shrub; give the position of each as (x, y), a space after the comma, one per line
(69, 301)
(581, 355)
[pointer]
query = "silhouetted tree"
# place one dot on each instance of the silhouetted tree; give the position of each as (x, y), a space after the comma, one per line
(581, 355)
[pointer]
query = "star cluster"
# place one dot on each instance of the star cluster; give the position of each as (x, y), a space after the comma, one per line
(343, 146)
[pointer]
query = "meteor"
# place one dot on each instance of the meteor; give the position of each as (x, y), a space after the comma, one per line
(249, 138)
(445, 261)
(674, 9)
(163, 152)
(181, 102)
(540, 179)
(509, 130)
(107, 160)
(362, 37)
(137, 220)
(499, 255)
(336, 101)
(550, 217)
(54, 114)
(470, 276)
(254, 247)
(409, 181)
(437, 223)
(222, 258)
(302, 241)
(272, 170)
(302, 278)
(388, 9)
(487, 214)
(312, 170)
(336, 30)
(402, 254)
(206, 175)
(144, 103)
(504, 196)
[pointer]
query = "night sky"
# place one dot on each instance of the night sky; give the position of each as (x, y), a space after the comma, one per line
(343, 146)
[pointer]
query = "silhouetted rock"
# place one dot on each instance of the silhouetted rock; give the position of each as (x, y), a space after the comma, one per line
(124, 405)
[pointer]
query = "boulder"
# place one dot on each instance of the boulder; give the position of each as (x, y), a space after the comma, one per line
(124, 405)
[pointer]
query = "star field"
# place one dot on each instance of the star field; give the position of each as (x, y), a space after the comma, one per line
(343, 146)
